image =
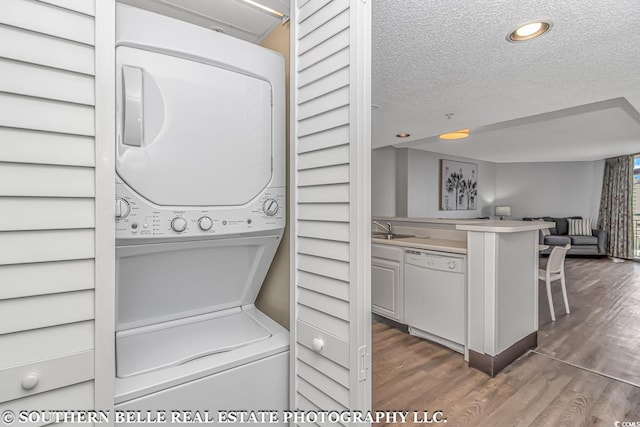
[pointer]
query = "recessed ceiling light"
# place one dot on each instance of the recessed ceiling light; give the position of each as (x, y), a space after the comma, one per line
(403, 135)
(459, 134)
(529, 31)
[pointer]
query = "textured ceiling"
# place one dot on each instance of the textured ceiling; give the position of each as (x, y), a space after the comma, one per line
(431, 58)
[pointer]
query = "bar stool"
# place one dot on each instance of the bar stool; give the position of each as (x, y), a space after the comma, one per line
(553, 272)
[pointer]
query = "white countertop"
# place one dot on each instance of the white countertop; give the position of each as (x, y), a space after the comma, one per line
(451, 221)
(505, 226)
(453, 246)
(483, 225)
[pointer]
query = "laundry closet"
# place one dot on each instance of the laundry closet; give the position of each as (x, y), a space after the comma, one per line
(149, 302)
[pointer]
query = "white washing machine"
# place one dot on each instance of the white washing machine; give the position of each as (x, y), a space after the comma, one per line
(200, 206)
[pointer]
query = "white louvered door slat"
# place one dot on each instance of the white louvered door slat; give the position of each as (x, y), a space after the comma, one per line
(37, 48)
(21, 213)
(46, 343)
(324, 284)
(324, 248)
(79, 397)
(43, 82)
(27, 146)
(333, 28)
(337, 193)
(82, 6)
(44, 18)
(47, 203)
(324, 104)
(338, 212)
(325, 365)
(327, 139)
(24, 280)
(323, 86)
(55, 309)
(331, 315)
(19, 179)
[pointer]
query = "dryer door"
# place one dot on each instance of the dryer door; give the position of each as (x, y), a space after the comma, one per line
(191, 133)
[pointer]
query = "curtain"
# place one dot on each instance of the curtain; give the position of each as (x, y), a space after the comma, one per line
(616, 206)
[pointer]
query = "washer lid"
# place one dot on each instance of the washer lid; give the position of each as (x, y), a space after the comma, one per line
(178, 342)
(190, 133)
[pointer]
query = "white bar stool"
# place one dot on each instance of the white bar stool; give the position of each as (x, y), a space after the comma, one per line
(553, 272)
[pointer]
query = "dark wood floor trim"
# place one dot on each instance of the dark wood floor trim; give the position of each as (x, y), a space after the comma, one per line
(392, 323)
(492, 365)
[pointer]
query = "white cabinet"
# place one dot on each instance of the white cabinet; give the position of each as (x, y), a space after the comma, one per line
(387, 281)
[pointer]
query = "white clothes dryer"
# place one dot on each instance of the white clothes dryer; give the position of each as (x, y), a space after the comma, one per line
(200, 212)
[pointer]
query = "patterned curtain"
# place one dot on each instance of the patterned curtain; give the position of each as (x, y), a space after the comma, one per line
(616, 206)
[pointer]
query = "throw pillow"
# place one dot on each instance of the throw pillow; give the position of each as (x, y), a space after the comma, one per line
(544, 231)
(562, 226)
(580, 227)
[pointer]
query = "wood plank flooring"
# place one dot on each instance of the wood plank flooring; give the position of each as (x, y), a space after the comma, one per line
(602, 332)
(413, 374)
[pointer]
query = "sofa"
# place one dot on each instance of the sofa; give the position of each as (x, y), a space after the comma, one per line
(595, 244)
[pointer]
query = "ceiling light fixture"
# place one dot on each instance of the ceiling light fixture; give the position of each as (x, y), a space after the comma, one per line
(265, 8)
(403, 135)
(529, 31)
(459, 134)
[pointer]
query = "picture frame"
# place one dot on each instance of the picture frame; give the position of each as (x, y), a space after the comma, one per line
(458, 185)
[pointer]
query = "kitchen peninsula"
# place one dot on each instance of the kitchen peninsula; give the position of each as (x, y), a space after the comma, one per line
(501, 295)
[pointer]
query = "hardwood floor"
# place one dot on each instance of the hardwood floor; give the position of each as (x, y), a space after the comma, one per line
(602, 333)
(540, 388)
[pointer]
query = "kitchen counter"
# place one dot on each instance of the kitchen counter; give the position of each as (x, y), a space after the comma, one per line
(444, 245)
(485, 225)
(502, 280)
(504, 226)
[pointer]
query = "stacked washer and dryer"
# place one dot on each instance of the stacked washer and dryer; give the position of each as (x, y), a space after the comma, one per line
(200, 193)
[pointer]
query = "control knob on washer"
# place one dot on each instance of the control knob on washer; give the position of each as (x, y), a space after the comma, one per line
(205, 223)
(270, 207)
(451, 265)
(179, 224)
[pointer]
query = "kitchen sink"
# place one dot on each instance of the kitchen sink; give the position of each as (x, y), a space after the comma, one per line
(391, 236)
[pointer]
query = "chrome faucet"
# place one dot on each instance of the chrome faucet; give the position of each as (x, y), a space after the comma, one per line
(387, 228)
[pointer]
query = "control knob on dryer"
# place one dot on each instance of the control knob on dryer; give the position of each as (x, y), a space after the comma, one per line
(122, 208)
(179, 224)
(205, 223)
(270, 207)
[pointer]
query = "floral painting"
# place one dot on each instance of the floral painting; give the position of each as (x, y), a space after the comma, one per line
(458, 185)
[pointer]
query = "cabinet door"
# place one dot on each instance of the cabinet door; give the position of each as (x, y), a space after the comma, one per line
(385, 288)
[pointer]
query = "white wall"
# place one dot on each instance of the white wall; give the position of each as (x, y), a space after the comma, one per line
(423, 186)
(383, 182)
(405, 183)
(554, 189)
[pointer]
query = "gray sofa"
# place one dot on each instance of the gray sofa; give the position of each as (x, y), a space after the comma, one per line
(580, 245)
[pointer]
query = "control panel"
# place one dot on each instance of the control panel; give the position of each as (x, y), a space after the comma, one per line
(435, 261)
(137, 218)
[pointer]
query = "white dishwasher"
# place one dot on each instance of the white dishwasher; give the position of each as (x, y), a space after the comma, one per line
(435, 297)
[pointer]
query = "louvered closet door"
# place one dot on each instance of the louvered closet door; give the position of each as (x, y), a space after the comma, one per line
(331, 328)
(47, 203)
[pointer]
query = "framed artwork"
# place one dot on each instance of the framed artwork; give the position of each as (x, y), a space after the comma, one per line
(458, 185)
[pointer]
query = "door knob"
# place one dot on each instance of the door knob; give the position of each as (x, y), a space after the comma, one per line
(30, 381)
(317, 344)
